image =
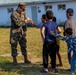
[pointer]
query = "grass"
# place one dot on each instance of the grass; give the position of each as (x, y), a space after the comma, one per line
(34, 49)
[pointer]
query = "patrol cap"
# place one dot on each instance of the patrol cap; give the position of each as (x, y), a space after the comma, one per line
(22, 5)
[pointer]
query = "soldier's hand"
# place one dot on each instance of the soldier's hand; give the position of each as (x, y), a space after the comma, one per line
(29, 20)
(24, 33)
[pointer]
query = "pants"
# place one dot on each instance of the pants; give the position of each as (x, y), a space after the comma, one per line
(49, 49)
(14, 42)
(73, 61)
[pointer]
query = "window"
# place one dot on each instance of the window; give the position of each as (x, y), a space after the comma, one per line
(10, 10)
(62, 7)
(48, 8)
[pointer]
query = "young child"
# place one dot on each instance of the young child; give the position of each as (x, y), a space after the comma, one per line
(49, 46)
(58, 46)
(71, 43)
(58, 53)
(43, 19)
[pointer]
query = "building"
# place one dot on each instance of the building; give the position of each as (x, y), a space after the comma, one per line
(35, 9)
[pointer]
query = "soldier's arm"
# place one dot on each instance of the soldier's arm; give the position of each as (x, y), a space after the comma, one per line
(30, 21)
(17, 20)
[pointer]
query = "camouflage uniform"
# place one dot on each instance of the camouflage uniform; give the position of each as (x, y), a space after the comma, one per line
(17, 26)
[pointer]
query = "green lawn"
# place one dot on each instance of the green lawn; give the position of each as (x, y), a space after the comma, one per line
(34, 49)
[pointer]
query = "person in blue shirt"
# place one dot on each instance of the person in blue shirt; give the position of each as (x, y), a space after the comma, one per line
(49, 46)
(43, 19)
(71, 43)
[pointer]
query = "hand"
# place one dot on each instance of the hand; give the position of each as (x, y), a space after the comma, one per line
(51, 32)
(29, 20)
(23, 33)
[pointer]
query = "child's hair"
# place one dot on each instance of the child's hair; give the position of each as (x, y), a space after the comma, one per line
(70, 11)
(68, 31)
(54, 19)
(49, 14)
(44, 16)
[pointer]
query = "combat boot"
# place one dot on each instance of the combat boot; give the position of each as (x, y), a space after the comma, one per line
(15, 61)
(26, 60)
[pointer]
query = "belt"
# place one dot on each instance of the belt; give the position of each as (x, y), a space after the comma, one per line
(49, 42)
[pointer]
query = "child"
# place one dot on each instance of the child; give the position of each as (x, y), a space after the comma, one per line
(43, 19)
(71, 43)
(57, 49)
(58, 46)
(57, 52)
(49, 46)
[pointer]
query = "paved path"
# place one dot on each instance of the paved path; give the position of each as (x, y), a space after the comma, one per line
(9, 54)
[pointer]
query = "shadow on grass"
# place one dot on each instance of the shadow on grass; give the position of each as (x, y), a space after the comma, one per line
(21, 68)
(27, 69)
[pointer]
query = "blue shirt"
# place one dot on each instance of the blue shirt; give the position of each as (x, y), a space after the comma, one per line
(50, 26)
(70, 40)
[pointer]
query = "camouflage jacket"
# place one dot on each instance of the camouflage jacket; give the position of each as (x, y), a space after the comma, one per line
(18, 22)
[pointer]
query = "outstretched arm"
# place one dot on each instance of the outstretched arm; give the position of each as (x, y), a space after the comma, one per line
(30, 21)
(58, 35)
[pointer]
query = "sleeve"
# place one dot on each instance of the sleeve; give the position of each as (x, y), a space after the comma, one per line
(44, 25)
(74, 41)
(19, 21)
(56, 25)
(60, 37)
(24, 27)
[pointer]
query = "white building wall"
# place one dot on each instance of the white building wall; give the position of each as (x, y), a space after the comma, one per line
(39, 15)
(72, 5)
(41, 7)
(60, 15)
(5, 16)
(28, 11)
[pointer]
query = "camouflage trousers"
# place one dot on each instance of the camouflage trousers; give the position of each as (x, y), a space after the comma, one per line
(14, 40)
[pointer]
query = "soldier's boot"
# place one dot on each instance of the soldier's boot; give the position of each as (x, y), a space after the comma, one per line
(15, 61)
(26, 60)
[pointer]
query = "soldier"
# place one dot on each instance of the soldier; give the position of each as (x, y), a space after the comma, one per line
(18, 32)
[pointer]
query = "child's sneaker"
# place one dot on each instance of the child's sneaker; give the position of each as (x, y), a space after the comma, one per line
(72, 73)
(44, 70)
(59, 65)
(54, 70)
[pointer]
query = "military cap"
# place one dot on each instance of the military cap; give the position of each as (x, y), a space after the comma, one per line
(22, 5)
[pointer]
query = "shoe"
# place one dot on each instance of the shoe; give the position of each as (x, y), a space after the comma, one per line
(44, 71)
(15, 63)
(27, 61)
(59, 65)
(68, 69)
(72, 73)
(54, 70)
(41, 64)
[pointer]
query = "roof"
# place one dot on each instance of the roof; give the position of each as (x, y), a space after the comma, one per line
(9, 2)
(16, 1)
